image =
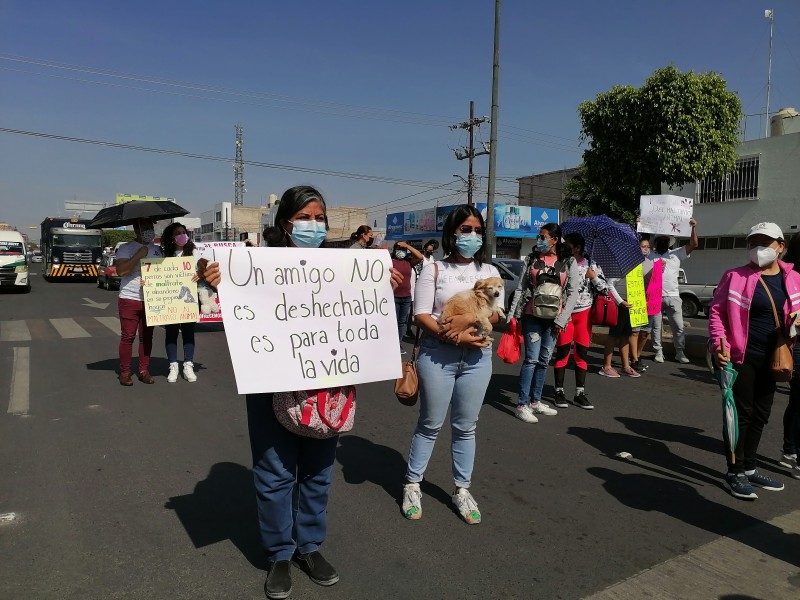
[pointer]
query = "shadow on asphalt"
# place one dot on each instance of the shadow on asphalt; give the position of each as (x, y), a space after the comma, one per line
(670, 432)
(649, 454)
(683, 502)
(158, 366)
(222, 507)
(694, 374)
(365, 461)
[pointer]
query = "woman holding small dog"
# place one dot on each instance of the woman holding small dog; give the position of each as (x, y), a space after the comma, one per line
(292, 473)
(545, 300)
(175, 242)
(454, 363)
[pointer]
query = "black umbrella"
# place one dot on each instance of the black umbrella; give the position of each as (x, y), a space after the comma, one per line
(126, 213)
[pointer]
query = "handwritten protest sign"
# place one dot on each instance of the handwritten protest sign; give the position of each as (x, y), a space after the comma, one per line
(665, 214)
(208, 251)
(634, 282)
(308, 319)
(170, 295)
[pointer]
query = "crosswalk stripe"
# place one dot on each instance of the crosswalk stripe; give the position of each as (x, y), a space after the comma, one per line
(68, 328)
(111, 322)
(41, 329)
(94, 328)
(14, 331)
(19, 400)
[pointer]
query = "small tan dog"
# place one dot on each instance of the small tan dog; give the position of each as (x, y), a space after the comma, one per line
(485, 298)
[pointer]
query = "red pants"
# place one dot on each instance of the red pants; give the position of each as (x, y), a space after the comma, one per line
(131, 320)
(578, 330)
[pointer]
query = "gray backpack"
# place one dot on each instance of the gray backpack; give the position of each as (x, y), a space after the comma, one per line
(547, 292)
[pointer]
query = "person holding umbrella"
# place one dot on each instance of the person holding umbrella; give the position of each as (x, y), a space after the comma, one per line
(131, 302)
(747, 304)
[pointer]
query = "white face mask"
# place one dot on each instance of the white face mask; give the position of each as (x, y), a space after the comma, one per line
(148, 235)
(763, 256)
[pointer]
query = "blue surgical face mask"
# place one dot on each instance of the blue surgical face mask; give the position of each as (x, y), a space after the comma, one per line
(468, 244)
(308, 234)
(542, 245)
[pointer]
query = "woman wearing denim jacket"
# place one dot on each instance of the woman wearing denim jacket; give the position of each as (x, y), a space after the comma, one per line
(742, 330)
(540, 334)
(454, 366)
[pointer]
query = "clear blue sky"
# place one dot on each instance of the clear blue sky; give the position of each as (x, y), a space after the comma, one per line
(355, 86)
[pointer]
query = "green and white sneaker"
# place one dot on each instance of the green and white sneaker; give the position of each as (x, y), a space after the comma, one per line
(467, 507)
(412, 501)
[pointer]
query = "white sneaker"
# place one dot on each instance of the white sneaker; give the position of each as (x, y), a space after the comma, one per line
(188, 372)
(524, 413)
(542, 409)
(173, 373)
(467, 507)
(681, 358)
(659, 357)
(412, 501)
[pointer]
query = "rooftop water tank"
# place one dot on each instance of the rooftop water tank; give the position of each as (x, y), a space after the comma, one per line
(786, 120)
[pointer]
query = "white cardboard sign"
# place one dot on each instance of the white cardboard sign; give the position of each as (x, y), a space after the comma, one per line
(304, 319)
(666, 215)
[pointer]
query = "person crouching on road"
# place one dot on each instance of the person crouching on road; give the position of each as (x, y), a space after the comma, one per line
(741, 326)
(131, 302)
(292, 473)
(577, 335)
(175, 242)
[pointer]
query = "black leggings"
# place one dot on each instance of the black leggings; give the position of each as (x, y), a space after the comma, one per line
(753, 393)
(791, 418)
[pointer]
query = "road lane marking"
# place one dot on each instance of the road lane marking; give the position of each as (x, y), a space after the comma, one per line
(68, 328)
(19, 403)
(14, 331)
(111, 322)
(42, 330)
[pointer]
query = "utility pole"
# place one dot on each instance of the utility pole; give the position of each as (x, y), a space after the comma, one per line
(493, 135)
(238, 170)
(769, 14)
(469, 152)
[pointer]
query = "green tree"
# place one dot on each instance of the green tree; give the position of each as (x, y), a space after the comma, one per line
(676, 128)
(111, 237)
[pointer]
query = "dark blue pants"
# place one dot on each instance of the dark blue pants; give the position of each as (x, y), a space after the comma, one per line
(403, 307)
(292, 475)
(171, 340)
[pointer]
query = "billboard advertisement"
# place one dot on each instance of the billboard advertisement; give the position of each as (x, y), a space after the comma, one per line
(128, 197)
(515, 221)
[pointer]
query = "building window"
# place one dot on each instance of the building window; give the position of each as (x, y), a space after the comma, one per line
(740, 242)
(712, 243)
(218, 217)
(726, 243)
(741, 184)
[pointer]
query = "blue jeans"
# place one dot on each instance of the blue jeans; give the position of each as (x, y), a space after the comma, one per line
(539, 343)
(292, 476)
(454, 378)
(403, 308)
(171, 339)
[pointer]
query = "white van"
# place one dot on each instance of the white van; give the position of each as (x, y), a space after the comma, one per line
(14, 261)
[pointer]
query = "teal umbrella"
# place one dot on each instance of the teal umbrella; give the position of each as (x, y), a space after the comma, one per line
(730, 418)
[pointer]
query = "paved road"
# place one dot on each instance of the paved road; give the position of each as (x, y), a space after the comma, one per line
(145, 492)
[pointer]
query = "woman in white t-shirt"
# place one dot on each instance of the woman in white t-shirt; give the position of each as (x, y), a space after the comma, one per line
(131, 302)
(175, 242)
(454, 368)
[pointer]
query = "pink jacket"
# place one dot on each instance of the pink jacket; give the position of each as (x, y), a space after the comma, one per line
(729, 311)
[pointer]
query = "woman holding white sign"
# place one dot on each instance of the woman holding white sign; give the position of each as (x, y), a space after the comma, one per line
(292, 473)
(454, 367)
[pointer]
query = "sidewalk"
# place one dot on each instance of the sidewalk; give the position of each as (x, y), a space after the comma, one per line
(724, 568)
(695, 330)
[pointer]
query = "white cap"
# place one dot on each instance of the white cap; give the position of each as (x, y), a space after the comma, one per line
(771, 230)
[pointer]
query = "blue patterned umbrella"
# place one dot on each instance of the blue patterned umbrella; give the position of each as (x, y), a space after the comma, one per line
(613, 246)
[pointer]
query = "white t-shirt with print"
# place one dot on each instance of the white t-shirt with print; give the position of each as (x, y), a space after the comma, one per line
(430, 296)
(672, 264)
(130, 285)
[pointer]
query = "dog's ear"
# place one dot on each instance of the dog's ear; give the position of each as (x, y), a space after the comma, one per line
(479, 284)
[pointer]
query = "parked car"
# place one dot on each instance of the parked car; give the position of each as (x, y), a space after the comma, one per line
(511, 271)
(695, 296)
(107, 274)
